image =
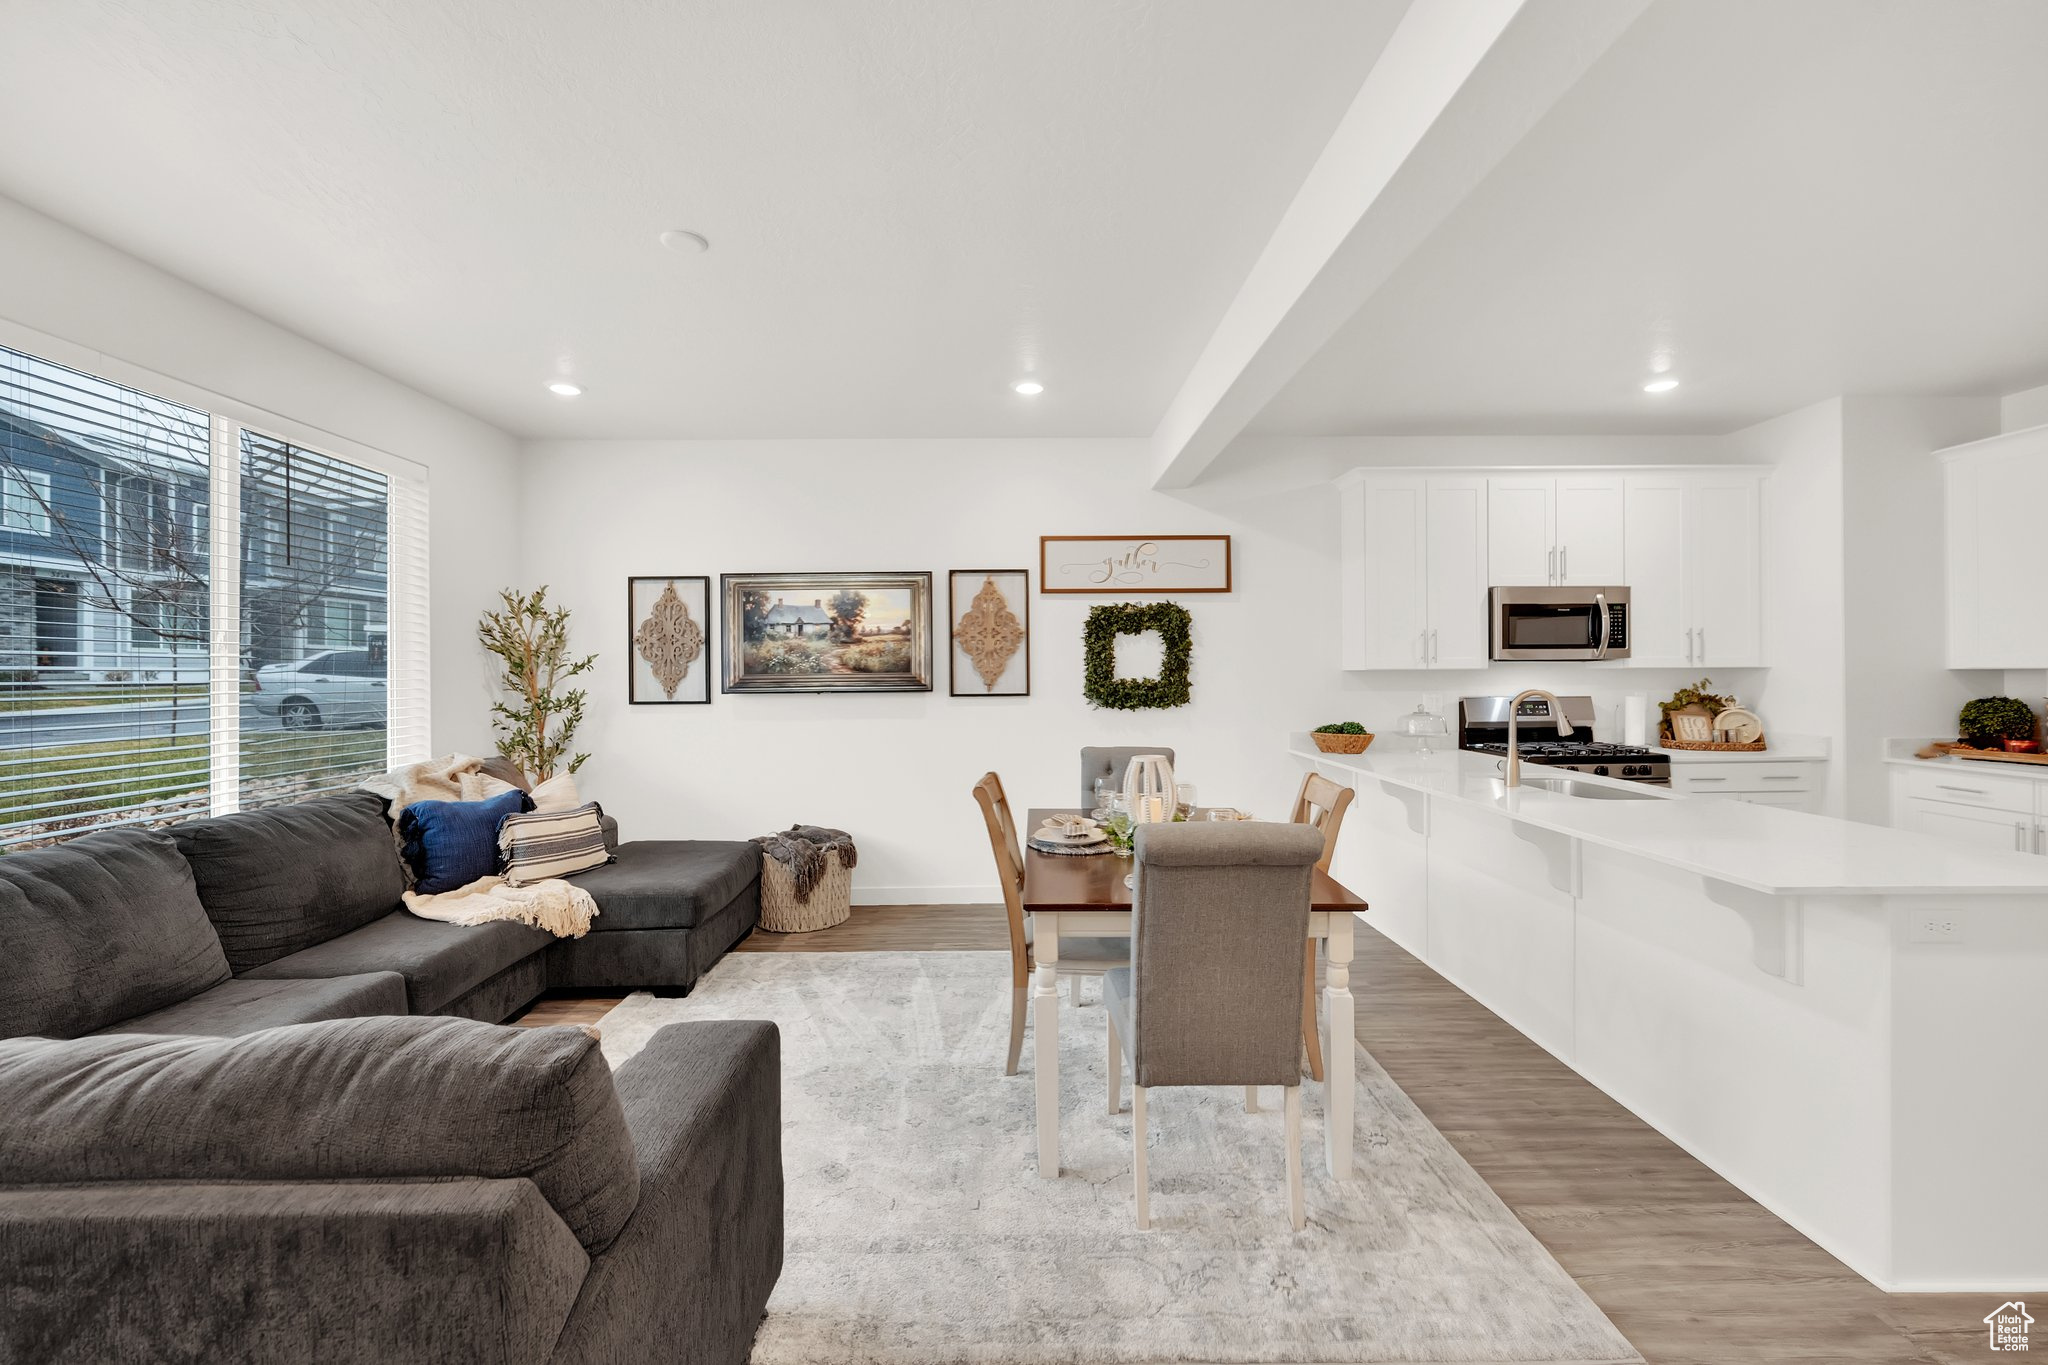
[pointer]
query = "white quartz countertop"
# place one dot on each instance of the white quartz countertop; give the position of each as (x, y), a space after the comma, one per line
(1900, 752)
(1763, 848)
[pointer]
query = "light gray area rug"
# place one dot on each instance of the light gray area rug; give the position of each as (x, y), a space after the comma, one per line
(919, 1231)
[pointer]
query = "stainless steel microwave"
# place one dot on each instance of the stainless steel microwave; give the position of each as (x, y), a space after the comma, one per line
(1560, 623)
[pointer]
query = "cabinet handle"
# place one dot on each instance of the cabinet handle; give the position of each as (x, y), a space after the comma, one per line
(1706, 779)
(1703, 644)
(2037, 838)
(1563, 558)
(1688, 644)
(1781, 777)
(1423, 645)
(2019, 836)
(1945, 787)
(1550, 569)
(1433, 655)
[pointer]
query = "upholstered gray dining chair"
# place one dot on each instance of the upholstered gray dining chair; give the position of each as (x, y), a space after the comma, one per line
(1111, 762)
(1213, 993)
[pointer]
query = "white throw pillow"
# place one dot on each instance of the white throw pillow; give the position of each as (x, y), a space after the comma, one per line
(556, 794)
(482, 786)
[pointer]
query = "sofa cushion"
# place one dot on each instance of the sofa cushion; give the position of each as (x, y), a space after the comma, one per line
(449, 844)
(350, 1099)
(244, 1006)
(284, 878)
(100, 928)
(540, 845)
(438, 961)
(669, 883)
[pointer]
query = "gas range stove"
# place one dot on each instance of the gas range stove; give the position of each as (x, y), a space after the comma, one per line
(1483, 729)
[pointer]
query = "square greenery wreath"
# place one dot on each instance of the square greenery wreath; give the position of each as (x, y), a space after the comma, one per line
(1100, 684)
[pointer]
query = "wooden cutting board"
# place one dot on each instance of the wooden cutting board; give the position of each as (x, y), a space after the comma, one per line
(1997, 756)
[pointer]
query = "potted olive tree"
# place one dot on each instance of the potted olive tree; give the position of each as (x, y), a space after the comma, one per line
(536, 728)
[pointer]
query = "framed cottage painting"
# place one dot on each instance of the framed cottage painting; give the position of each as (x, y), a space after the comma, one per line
(668, 640)
(990, 611)
(826, 632)
(1133, 564)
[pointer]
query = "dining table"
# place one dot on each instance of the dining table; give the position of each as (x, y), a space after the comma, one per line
(1083, 896)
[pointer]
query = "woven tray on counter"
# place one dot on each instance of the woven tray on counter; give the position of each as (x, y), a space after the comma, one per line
(1714, 746)
(1340, 744)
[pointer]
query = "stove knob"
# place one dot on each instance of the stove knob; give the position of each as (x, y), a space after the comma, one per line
(1601, 771)
(1631, 771)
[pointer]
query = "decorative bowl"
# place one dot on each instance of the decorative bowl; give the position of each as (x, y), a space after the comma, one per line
(1340, 744)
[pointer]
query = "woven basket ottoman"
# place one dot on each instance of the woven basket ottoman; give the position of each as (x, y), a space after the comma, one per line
(830, 903)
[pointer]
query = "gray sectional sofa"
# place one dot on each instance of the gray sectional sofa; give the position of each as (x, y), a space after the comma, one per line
(292, 914)
(233, 1128)
(425, 1191)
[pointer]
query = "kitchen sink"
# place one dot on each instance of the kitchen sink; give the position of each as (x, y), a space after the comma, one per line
(1591, 791)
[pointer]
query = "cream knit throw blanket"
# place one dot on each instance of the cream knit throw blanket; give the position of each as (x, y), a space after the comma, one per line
(563, 909)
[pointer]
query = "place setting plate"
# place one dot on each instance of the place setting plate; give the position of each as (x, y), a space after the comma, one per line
(1070, 835)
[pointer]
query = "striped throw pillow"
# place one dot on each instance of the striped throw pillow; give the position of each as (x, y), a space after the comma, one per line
(544, 843)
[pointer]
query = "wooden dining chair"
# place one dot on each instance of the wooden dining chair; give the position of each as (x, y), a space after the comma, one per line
(1212, 993)
(1320, 804)
(1079, 957)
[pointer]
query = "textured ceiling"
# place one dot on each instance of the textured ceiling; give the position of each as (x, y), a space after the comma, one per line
(911, 202)
(1787, 200)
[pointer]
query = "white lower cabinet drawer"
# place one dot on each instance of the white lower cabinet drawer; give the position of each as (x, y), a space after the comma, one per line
(1992, 830)
(1957, 786)
(1710, 779)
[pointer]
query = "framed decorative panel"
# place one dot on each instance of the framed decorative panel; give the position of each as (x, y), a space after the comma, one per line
(990, 611)
(1133, 564)
(826, 632)
(668, 640)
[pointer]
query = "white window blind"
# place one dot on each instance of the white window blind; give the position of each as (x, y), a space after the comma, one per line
(315, 621)
(194, 616)
(104, 589)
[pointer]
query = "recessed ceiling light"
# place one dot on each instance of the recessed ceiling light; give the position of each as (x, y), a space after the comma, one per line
(1663, 383)
(1030, 388)
(687, 242)
(562, 388)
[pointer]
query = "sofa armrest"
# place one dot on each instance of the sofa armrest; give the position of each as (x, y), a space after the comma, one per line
(342, 1273)
(611, 832)
(704, 1104)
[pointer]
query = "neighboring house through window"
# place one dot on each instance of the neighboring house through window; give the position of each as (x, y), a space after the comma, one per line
(25, 501)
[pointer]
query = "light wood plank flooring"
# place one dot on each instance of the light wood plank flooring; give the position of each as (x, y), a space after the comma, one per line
(1690, 1269)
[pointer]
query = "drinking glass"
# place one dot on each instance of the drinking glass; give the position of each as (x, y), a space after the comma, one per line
(1105, 793)
(1184, 796)
(1117, 825)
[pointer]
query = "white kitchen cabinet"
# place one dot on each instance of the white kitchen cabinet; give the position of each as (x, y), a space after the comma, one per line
(1952, 801)
(1694, 568)
(1554, 529)
(1655, 569)
(1994, 490)
(1414, 571)
(1796, 783)
(1986, 829)
(1724, 569)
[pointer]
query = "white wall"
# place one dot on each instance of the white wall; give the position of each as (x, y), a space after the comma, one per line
(896, 770)
(108, 311)
(1805, 621)
(1896, 679)
(2027, 408)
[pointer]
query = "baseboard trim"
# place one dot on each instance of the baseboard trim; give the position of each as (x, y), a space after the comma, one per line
(928, 895)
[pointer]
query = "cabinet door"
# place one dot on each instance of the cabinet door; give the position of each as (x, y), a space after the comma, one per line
(1993, 831)
(1997, 613)
(1457, 550)
(1521, 541)
(1724, 588)
(1392, 578)
(1587, 514)
(1653, 537)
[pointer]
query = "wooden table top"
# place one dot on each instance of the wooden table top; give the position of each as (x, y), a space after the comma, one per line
(1062, 881)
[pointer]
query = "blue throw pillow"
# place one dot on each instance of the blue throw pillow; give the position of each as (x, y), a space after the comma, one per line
(449, 844)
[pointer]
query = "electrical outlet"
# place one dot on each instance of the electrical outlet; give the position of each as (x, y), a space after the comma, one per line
(1935, 926)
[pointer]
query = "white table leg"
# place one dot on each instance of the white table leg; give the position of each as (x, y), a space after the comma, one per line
(1340, 1068)
(1045, 1020)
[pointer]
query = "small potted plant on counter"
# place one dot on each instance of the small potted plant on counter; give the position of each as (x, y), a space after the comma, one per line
(1998, 723)
(1348, 737)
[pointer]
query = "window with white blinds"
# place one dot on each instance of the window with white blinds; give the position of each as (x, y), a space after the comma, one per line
(195, 616)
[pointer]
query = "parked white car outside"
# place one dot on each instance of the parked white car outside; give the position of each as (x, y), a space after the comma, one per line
(339, 687)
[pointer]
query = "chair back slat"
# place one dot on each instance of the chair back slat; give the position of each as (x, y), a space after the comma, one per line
(1009, 856)
(1321, 805)
(1218, 942)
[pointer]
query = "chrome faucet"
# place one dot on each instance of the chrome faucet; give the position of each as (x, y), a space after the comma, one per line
(1564, 727)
